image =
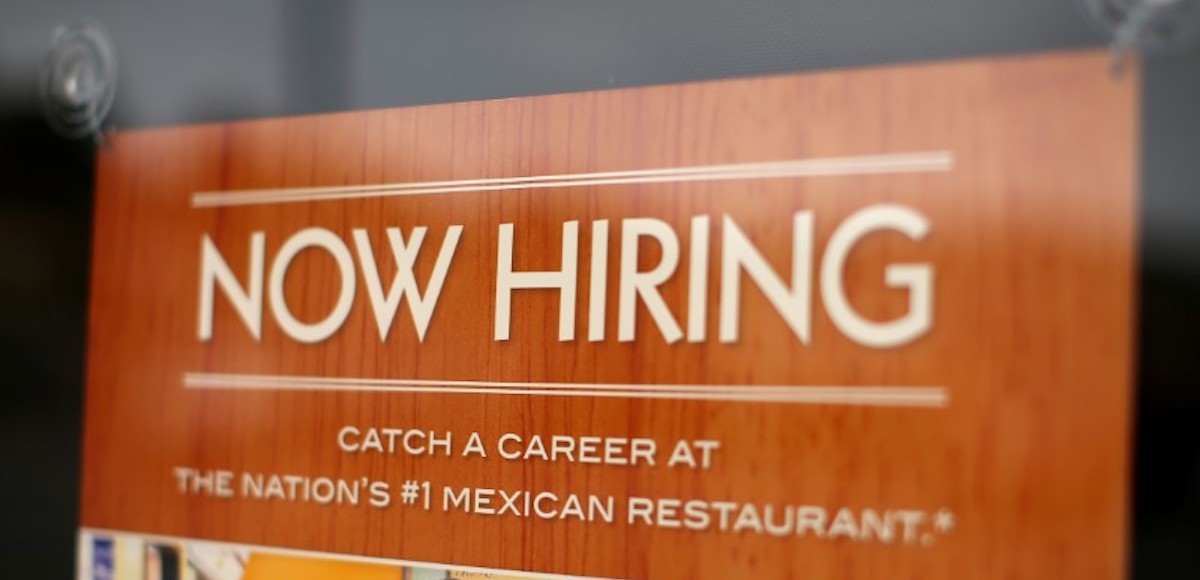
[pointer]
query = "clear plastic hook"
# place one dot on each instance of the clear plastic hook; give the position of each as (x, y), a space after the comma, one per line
(79, 80)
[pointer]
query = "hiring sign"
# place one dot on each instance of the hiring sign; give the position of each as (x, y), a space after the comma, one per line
(843, 323)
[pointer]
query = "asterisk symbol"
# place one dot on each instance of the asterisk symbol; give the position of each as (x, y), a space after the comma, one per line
(943, 521)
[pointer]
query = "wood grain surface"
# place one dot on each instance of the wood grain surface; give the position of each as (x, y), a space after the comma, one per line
(1032, 239)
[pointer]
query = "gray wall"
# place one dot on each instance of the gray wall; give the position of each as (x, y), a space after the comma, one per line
(217, 59)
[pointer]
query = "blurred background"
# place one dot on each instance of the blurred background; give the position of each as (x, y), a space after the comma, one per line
(220, 60)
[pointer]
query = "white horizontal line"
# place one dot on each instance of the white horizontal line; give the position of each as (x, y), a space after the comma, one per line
(921, 162)
(886, 396)
(164, 539)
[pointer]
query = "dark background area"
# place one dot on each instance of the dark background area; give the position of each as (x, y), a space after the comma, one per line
(224, 60)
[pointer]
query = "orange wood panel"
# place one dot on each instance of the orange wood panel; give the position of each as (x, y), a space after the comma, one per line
(1032, 240)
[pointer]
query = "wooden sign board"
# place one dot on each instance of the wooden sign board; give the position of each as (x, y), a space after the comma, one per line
(864, 324)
